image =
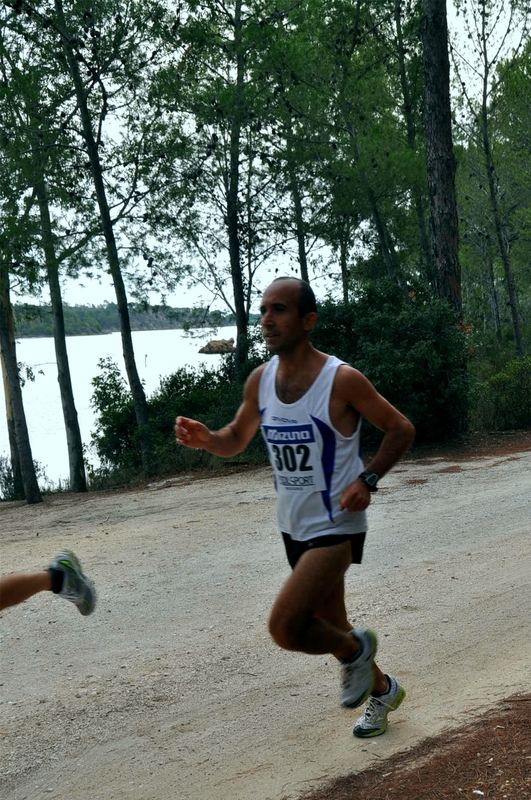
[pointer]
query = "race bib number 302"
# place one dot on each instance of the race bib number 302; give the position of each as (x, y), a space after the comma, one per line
(295, 457)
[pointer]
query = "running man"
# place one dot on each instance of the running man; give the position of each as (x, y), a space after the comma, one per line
(63, 577)
(310, 406)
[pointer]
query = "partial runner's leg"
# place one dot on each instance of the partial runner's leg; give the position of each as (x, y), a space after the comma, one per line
(308, 616)
(316, 580)
(16, 588)
(334, 612)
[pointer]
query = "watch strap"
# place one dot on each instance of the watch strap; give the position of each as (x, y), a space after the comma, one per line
(370, 479)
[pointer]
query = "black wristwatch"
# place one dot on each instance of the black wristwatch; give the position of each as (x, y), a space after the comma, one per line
(370, 479)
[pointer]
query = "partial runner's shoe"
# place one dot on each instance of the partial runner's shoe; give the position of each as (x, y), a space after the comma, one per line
(357, 676)
(75, 587)
(374, 720)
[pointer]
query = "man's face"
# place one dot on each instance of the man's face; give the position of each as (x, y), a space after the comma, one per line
(282, 327)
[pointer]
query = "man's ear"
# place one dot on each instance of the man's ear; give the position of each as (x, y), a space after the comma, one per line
(309, 320)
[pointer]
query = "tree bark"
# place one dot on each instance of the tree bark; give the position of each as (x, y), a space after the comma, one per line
(443, 222)
(496, 213)
(492, 295)
(78, 481)
(424, 241)
(343, 255)
(9, 364)
(18, 485)
(298, 212)
(242, 321)
(135, 384)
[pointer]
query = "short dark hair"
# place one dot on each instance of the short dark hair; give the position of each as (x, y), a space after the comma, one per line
(307, 301)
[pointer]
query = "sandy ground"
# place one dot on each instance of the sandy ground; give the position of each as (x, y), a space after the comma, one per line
(173, 690)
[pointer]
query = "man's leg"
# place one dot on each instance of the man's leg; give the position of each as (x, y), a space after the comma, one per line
(14, 589)
(334, 612)
(63, 577)
(316, 578)
(294, 625)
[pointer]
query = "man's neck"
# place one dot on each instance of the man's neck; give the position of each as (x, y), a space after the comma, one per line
(302, 359)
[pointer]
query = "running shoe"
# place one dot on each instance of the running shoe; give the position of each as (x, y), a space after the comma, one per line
(76, 588)
(357, 678)
(374, 720)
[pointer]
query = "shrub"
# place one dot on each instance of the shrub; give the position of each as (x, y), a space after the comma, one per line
(503, 399)
(212, 396)
(410, 347)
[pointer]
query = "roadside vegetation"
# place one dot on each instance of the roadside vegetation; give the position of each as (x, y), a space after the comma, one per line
(168, 145)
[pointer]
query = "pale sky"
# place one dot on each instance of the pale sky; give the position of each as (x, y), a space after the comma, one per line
(84, 291)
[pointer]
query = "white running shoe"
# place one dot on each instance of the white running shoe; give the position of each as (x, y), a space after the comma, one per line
(357, 677)
(374, 720)
(76, 588)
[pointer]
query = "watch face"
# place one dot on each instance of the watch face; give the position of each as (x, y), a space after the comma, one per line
(371, 478)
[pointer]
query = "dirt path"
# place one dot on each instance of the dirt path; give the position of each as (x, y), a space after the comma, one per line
(173, 690)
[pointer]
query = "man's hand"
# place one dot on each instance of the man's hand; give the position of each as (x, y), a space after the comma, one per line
(191, 433)
(356, 497)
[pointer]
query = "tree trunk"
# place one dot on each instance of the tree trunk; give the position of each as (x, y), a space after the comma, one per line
(135, 384)
(440, 160)
(299, 216)
(10, 367)
(343, 255)
(424, 241)
(489, 287)
(242, 321)
(386, 246)
(18, 485)
(498, 223)
(78, 481)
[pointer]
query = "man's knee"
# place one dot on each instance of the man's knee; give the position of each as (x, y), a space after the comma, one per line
(287, 630)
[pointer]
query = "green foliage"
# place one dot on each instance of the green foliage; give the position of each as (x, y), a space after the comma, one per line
(410, 347)
(212, 396)
(7, 484)
(503, 399)
(115, 438)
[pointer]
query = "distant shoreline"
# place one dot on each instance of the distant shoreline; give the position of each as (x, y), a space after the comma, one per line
(108, 331)
(36, 321)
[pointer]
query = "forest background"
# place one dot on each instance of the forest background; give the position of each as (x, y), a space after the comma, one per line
(219, 144)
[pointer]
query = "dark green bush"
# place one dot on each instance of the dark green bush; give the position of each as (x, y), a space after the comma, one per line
(212, 396)
(410, 347)
(503, 399)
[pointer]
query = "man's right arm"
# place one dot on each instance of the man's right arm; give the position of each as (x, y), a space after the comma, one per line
(235, 437)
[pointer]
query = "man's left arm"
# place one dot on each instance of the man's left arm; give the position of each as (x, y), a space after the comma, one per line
(359, 393)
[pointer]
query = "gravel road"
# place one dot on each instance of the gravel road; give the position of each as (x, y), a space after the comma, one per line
(173, 689)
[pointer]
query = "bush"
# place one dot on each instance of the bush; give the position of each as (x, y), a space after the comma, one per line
(7, 481)
(7, 484)
(212, 396)
(410, 347)
(503, 400)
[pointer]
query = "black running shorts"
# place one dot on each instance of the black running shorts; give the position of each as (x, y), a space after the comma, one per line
(295, 549)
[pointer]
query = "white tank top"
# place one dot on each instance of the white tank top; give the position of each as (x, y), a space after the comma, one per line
(312, 462)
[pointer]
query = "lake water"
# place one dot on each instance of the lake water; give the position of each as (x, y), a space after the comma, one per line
(157, 353)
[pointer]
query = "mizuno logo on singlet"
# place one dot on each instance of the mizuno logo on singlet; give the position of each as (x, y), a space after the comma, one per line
(289, 433)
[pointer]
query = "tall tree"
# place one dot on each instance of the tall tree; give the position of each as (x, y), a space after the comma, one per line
(23, 459)
(106, 53)
(30, 139)
(221, 192)
(440, 155)
(490, 26)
